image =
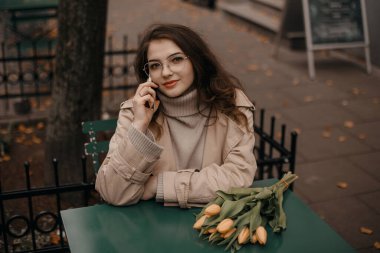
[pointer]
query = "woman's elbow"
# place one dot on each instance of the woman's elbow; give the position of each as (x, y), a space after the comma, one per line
(115, 195)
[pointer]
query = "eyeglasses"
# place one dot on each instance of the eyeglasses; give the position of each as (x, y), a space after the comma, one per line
(175, 63)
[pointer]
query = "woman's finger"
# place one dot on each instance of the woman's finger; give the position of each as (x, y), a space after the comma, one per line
(146, 84)
(147, 91)
(147, 101)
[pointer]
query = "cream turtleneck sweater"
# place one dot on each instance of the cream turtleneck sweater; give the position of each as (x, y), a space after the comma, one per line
(186, 128)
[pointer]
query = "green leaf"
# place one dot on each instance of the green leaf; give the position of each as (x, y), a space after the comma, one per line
(243, 192)
(225, 195)
(254, 219)
(281, 222)
(233, 238)
(264, 194)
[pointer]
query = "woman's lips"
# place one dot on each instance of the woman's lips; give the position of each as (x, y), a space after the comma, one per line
(170, 84)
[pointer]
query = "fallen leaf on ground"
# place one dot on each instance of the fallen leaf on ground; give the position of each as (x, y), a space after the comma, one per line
(376, 245)
(342, 138)
(269, 72)
(308, 99)
(342, 185)
(329, 82)
(20, 139)
(355, 91)
(29, 130)
(40, 125)
(21, 128)
(349, 124)
(33, 103)
(252, 67)
(296, 81)
(326, 134)
(285, 103)
(36, 140)
(366, 230)
(263, 39)
(6, 158)
(54, 238)
(362, 136)
(48, 102)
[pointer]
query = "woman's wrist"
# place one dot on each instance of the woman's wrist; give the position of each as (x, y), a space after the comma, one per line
(139, 126)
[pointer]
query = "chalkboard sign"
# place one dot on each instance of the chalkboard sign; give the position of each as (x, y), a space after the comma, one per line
(336, 21)
(335, 24)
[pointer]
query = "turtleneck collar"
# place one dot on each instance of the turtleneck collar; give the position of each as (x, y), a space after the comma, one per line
(184, 105)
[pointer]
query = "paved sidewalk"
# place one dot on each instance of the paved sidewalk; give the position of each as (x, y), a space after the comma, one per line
(337, 115)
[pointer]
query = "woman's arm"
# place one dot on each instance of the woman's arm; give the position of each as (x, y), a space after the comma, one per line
(128, 165)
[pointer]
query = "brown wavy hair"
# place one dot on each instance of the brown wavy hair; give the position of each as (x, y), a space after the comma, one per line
(216, 87)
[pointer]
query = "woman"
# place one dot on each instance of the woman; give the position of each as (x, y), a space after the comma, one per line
(186, 133)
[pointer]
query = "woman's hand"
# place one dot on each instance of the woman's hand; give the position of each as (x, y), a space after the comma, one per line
(144, 105)
(150, 189)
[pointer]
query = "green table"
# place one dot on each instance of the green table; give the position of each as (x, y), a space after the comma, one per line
(151, 227)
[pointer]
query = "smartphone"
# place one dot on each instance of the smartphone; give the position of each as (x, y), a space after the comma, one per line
(147, 103)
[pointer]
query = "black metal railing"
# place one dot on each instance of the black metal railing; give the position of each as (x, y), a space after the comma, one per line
(16, 226)
(273, 157)
(26, 69)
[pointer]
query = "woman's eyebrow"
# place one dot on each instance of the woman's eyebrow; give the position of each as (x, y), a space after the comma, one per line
(166, 57)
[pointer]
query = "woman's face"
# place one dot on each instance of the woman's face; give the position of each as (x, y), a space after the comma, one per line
(169, 67)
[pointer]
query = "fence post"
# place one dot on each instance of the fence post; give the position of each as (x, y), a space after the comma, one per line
(58, 198)
(3, 227)
(293, 149)
(5, 78)
(30, 206)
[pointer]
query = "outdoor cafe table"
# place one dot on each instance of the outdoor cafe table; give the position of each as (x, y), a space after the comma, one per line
(151, 227)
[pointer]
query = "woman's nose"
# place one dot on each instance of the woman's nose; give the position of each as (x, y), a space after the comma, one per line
(166, 71)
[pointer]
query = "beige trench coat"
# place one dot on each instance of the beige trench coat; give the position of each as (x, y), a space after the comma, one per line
(228, 162)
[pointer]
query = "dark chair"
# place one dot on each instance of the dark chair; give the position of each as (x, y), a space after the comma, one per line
(95, 147)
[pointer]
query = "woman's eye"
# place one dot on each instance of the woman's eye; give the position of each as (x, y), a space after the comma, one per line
(177, 59)
(154, 66)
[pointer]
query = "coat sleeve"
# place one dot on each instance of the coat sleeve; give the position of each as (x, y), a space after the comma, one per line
(128, 164)
(188, 187)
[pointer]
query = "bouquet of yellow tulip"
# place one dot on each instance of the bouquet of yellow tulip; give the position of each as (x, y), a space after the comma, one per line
(240, 215)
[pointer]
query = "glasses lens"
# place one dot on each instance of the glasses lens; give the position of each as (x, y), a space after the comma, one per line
(175, 63)
(176, 60)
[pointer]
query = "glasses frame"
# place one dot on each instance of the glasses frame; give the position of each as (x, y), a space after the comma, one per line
(162, 64)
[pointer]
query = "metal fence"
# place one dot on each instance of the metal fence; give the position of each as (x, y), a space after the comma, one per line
(29, 226)
(27, 69)
(273, 156)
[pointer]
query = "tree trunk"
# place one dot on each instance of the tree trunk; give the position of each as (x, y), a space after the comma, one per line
(78, 82)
